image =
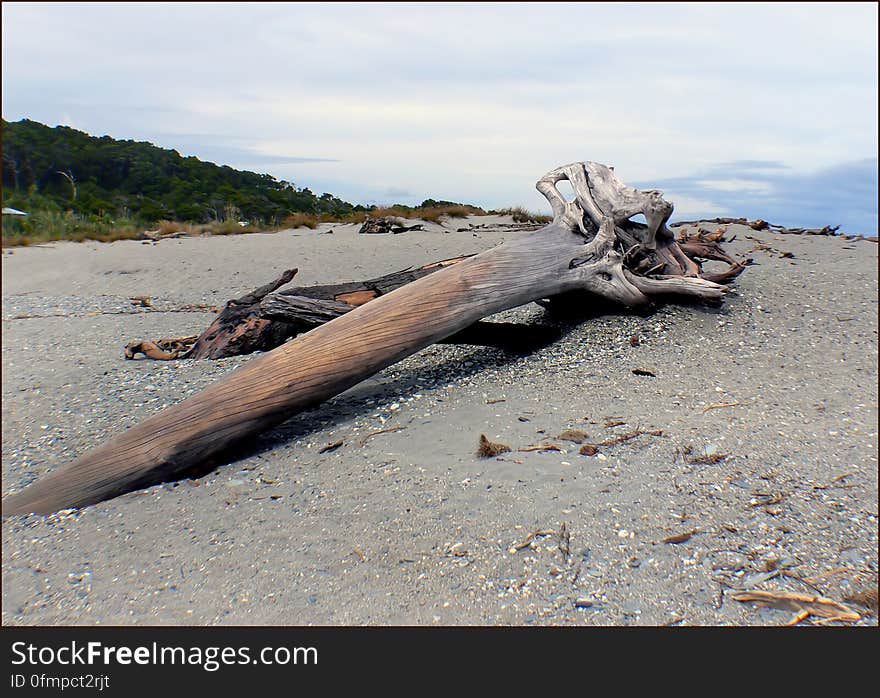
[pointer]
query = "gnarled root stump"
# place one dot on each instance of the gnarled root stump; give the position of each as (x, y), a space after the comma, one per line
(592, 245)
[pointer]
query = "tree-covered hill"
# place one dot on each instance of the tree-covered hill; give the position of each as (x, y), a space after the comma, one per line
(63, 169)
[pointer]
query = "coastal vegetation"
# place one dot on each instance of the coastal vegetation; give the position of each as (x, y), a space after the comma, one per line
(74, 186)
(522, 215)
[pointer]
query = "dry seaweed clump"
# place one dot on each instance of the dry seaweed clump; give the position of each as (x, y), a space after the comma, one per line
(574, 435)
(490, 449)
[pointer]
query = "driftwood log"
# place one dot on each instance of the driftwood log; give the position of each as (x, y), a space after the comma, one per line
(591, 248)
(379, 226)
(761, 224)
(268, 316)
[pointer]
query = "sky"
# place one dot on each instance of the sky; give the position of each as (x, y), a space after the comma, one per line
(758, 110)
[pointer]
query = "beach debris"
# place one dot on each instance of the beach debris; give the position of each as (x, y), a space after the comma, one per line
(634, 341)
(761, 224)
(592, 449)
(719, 405)
(541, 447)
(824, 230)
(166, 349)
(579, 251)
(804, 605)
(389, 430)
(574, 435)
(632, 435)
(622, 438)
(759, 246)
(271, 498)
(529, 539)
(613, 423)
(764, 499)
(564, 541)
(707, 245)
(709, 456)
(360, 554)
(682, 452)
(457, 550)
(681, 537)
(490, 449)
(644, 372)
(331, 447)
(141, 301)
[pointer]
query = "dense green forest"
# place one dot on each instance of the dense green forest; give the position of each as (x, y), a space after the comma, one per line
(64, 170)
(74, 186)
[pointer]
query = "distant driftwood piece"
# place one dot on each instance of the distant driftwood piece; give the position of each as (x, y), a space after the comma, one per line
(761, 224)
(374, 226)
(592, 247)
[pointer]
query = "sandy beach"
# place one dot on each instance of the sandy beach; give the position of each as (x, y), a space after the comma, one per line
(409, 526)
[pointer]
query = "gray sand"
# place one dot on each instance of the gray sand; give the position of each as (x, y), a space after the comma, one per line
(412, 527)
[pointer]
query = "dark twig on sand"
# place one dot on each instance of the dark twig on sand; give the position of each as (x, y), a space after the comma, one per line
(369, 436)
(331, 447)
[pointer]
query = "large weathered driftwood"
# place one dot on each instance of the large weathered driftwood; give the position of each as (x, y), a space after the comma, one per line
(268, 316)
(591, 246)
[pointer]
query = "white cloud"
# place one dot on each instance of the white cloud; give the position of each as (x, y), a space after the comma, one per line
(468, 101)
(752, 187)
(690, 207)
